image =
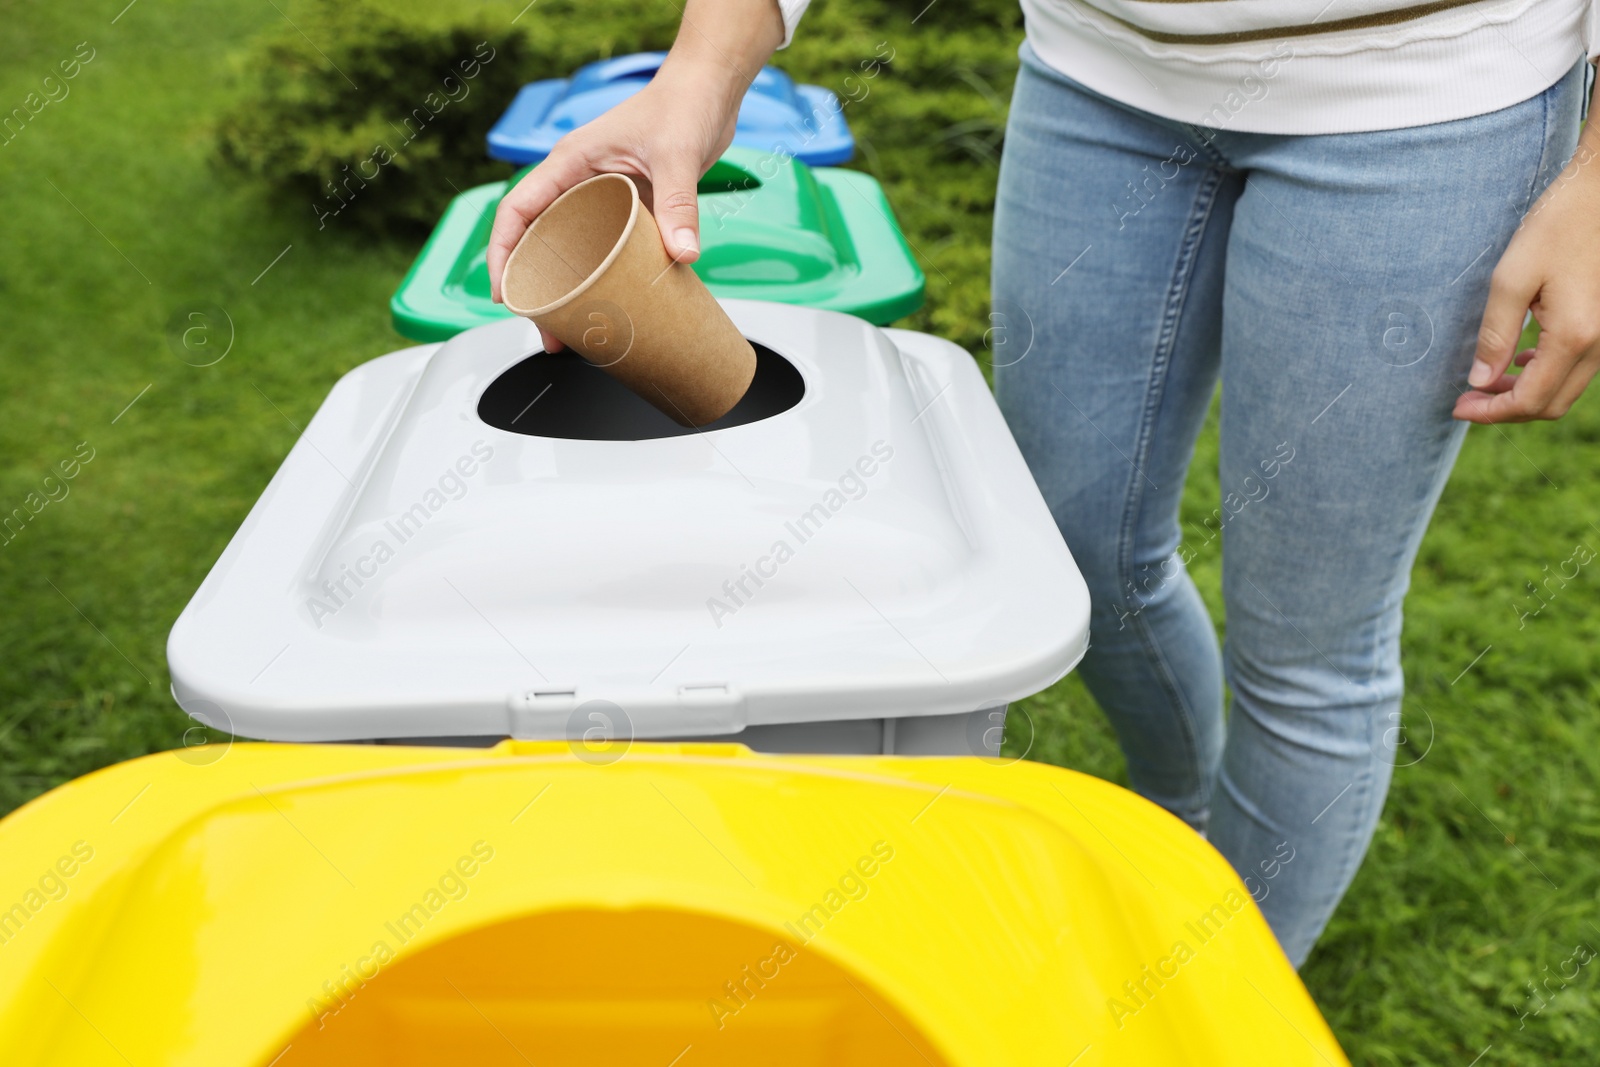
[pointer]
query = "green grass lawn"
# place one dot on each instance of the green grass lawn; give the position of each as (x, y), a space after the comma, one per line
(1484, 873)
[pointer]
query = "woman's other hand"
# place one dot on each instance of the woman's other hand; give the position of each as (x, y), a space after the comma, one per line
(1551, 267)
(664, 137)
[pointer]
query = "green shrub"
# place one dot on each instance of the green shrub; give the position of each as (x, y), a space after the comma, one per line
(369, 120)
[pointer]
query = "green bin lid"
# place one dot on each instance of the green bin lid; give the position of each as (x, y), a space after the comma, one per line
(771, 228)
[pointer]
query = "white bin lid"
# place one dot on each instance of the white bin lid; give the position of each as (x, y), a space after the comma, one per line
(877, 550)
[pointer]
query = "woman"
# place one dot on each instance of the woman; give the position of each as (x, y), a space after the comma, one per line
(1343, 210)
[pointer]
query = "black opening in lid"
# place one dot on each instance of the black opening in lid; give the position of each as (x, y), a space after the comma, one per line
(563, 395)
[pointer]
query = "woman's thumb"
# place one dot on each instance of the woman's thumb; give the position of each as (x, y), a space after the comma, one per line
(677, 209)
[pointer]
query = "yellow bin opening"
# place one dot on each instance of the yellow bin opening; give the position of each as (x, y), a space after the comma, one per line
(587, 987)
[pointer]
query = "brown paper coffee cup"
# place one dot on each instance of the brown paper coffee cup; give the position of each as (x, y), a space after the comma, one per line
(592, 270)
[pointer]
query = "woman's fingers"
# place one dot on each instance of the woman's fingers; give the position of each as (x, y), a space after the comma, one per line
(1578, 380)
(518, 208)
(1510, 398)
(1503, 384)
(1554, 375)
(1511, 291)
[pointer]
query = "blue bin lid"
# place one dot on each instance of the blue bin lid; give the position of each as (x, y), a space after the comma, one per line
(803, 121)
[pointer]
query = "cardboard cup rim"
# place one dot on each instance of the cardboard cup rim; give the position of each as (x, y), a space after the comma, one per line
(594, 276)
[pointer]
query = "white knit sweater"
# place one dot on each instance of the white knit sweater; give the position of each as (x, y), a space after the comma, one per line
(1309, 66)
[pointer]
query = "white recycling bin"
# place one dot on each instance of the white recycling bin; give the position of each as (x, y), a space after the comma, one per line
(477, 540)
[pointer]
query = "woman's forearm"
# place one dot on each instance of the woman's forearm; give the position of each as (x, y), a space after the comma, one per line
(721, 46)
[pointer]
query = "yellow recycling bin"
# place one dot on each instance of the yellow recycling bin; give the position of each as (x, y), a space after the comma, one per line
(671, 904)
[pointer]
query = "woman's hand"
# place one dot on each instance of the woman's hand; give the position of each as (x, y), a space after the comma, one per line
(664, 137)
(1551, 267)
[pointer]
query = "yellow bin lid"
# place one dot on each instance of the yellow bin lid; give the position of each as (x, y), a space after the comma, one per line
(682, 905)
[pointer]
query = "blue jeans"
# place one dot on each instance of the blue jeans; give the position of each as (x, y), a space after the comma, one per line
(1335, 284)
